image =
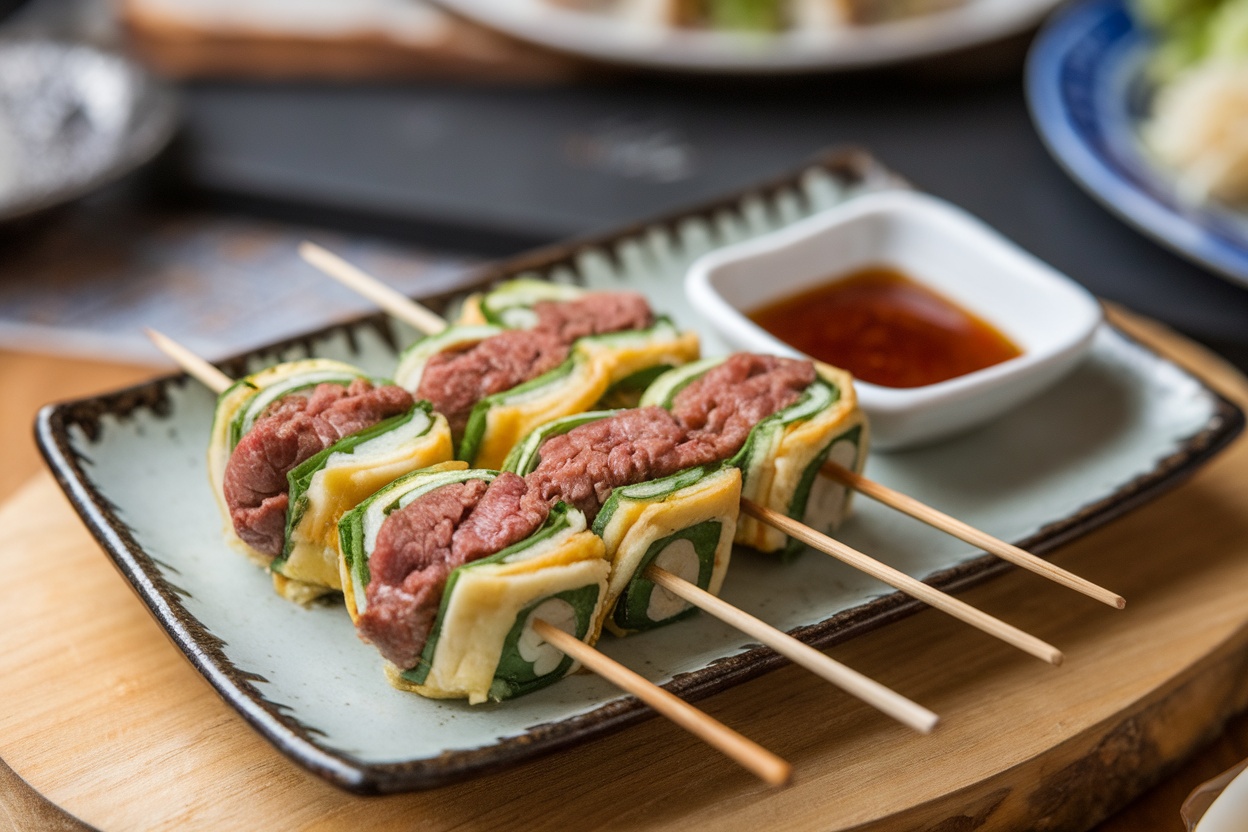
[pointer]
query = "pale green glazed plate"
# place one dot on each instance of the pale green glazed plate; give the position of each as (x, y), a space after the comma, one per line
(1123, 427)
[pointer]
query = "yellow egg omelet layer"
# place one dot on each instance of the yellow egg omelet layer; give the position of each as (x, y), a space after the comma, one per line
(486, 601)
(637, 523)
(775, 481)
(344, 482)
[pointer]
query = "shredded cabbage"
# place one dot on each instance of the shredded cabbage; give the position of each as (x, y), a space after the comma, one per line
(1192, 32)
(1199, 123)
(1199, 127)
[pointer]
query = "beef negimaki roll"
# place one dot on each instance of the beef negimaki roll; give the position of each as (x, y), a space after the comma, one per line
(531, 351)
(448, 568)
(295, 446)
(628, 471)
(778, 420)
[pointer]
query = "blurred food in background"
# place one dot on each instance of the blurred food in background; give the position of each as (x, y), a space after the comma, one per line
(1199, 120)
(760, 15)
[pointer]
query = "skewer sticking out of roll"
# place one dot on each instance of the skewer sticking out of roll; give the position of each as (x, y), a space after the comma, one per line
(466, 588)
(669, 542)
(450, 569)
(523, 354)
(668, 529)
(805, 461)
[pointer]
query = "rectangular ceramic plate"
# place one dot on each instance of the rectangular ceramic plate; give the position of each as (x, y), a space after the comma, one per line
(1124, 427)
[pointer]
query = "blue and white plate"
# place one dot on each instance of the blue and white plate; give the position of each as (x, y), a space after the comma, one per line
(1088, 94)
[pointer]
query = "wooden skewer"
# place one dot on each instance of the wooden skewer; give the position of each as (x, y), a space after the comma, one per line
(970, 534)
(195, 367)
(851, 681)
(396, 303)
(915, 588)
(749, 754)
(746, 752)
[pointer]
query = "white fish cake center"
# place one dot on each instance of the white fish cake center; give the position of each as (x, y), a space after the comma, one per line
(533, 648)
(826, 505)
(681, 559)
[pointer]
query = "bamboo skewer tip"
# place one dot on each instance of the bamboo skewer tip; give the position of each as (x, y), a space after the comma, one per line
(191, 363)
(767, 766)
(389, 299)
(866, 689)
(969, 534)
(909, 585)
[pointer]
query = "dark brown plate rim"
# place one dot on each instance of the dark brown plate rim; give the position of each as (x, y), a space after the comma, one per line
(300, 742)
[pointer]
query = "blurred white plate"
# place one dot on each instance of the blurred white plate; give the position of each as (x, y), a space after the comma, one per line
(605, 36)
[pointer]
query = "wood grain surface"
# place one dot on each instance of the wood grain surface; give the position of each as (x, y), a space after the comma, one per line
(31, 381)
(104, 717)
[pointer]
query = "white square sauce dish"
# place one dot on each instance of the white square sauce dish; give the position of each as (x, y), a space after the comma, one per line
(1046, 315)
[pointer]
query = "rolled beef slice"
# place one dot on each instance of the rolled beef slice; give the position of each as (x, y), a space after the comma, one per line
(723, 405)
(454, 381)
(709, 422)
(583, 466)
(596, 313)
(292, 430)
(419, 546)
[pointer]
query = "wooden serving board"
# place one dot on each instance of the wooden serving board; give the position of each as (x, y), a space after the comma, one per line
(104, 717)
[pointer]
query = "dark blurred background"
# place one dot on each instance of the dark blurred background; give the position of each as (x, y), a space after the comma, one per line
(442, 157)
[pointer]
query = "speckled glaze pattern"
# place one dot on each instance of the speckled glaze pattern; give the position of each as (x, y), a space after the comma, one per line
(1120, 430)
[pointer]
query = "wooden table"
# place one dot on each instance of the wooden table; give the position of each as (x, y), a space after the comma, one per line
(32, 380)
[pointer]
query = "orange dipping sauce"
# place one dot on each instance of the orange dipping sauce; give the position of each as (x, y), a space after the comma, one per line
(886, 329)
